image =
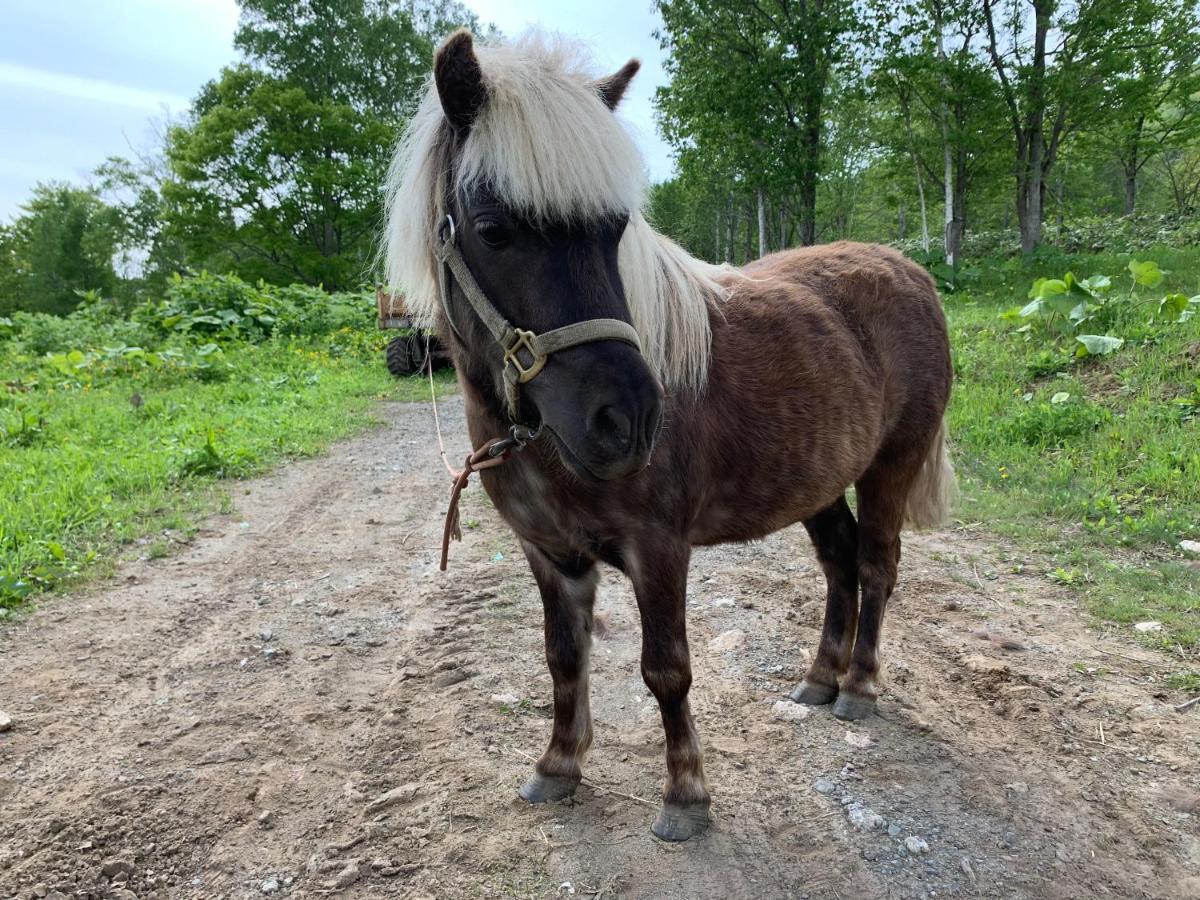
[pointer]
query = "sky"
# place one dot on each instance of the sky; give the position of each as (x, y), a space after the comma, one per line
(81, 80)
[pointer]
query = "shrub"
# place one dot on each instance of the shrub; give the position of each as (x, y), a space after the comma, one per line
(37, 334)
(304, 310)
(211, 306)
(223, 307)
(1093, 234)
(1057, 423)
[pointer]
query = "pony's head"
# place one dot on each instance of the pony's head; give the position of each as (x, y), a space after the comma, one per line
(520, 147)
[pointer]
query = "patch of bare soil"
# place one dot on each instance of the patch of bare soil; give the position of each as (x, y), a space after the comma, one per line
(299, 704)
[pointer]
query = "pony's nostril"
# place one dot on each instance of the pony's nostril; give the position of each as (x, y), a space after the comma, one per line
(613, 425)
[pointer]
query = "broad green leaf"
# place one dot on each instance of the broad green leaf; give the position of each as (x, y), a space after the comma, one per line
(1097, 344)
(1062, 304)
(1060, 397)
(1075, 286)
(1171, 307)
(1097, 284)
(1147, 273)
(1052, 286)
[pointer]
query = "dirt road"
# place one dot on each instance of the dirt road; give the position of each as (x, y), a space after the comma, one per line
(298, 704)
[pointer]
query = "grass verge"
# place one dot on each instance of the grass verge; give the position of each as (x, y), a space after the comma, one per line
(1091, 463)
(89, 468)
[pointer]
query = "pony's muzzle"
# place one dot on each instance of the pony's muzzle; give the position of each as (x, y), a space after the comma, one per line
(621, 425)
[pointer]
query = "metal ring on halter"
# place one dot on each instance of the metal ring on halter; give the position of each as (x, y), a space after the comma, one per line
(448, 224)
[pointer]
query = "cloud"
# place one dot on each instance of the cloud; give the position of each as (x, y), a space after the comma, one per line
(90, 89)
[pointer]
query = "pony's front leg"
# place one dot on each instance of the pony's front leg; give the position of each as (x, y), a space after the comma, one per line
(568, 593)
(659, 574)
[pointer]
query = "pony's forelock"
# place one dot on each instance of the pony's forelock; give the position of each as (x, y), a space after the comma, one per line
(547, 146)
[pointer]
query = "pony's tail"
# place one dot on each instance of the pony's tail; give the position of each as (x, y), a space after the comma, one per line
(935, 490)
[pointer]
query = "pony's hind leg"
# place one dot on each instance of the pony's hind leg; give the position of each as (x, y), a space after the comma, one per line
(658, 569)
(882, 493)
(834, 534)
(568, 594)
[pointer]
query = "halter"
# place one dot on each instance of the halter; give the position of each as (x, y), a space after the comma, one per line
(524, 352)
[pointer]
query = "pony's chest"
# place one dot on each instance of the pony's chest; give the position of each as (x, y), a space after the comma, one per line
(536, 507)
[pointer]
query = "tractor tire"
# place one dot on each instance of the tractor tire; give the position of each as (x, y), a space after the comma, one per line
(405, 355)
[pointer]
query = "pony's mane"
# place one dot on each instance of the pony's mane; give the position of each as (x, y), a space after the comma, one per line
(548, 145)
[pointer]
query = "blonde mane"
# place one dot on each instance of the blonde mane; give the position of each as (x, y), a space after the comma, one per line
(547, 145)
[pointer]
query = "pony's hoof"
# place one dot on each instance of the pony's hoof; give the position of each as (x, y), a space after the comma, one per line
(541, 788)
(852, 707)
(678, 823)
(812, 694)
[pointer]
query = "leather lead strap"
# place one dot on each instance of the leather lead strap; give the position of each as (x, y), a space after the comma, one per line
(525, 354)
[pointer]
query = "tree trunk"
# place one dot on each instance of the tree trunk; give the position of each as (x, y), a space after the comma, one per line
(1130, 191)
(808, 169)
(950, 229)
(1131, 163)
(1033, 157)
(762, 225)
(901, 221)
(912, 151)
(749, 235)
(957, 227)
(731, 219)
(924, 209)
(808, 209)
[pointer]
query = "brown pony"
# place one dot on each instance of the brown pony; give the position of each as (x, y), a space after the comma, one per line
(738, 403)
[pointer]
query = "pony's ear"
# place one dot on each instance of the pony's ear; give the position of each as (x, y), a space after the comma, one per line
(612, 88)
(459, 81)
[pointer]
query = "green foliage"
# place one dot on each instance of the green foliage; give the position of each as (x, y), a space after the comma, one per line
(1063, 306)
(1145, 274)
(276, 175)
(1086, 459)
(748, 92)
(949, 278)
(214, 306)
(1056, 423)
(62, 243)
(223, 307)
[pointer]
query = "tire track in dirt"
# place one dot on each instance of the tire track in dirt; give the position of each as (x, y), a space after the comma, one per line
(299, 704)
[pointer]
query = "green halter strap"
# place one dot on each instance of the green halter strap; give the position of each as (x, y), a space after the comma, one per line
(525, 353)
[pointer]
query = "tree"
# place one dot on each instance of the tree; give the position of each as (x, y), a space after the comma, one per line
(749, 83)
(61, 244)
(1151, 104)
(946, 98)
(277, 174)
(1050, 63)
(148, 253)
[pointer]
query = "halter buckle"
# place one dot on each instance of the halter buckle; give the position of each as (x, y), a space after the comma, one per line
(523, 340)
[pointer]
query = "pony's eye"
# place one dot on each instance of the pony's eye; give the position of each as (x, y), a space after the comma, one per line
(491, 232)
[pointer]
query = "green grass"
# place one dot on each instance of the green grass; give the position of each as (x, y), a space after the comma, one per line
(93, 464)
(1103, 485)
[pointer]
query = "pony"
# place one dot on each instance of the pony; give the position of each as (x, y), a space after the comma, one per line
(655, 402)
